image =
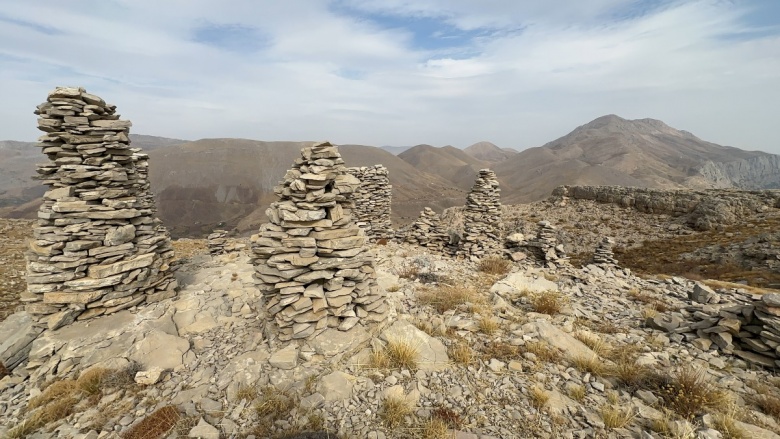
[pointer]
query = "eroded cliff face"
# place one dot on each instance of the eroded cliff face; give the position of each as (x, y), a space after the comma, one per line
(704, 209)
(760, 172)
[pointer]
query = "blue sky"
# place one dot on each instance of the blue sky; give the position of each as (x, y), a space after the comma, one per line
(518, 73)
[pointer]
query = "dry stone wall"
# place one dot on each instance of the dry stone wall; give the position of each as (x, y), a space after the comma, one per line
(98, 247)
(482, 226)
(704, 210)
(372, 201)
(737, 323)
(311, 261)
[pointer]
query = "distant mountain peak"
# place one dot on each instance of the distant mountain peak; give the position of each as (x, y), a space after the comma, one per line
(488, 152)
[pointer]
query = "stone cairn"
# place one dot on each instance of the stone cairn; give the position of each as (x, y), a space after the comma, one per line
(372, 201)
(603, 253)
(98, 247)
(310, 260)
(482, 225)
(426, 231)
(216, 242)
(737, 323)
(547, 248)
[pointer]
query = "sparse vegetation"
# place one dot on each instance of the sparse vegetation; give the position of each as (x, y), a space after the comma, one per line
(615, 416)
(543, 351)
(494, 265)
(157, 425)
(397, 354)
(394, 409)
(688, 392)
(434, 428)
(501, 351)
(488, 325)
(591, 364)
(548, 302)
(539, 397)
(461, 353)
(577, 392)
(447, 297)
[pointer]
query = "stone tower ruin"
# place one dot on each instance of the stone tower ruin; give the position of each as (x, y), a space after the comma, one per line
(310, 260)
(98, 247)
(372, 201)
(482, 226)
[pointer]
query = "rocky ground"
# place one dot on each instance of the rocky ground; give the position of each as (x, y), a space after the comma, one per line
(488, 350)
(13, 235)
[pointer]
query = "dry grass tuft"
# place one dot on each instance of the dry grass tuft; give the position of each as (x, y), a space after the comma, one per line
(539, 397)
(407, 271)
(494, 265)
(593, 341)
(3, 370)
(435, 428)
(393, 288)
(488, 325)
(157, 425)
(394, 410)
(543, 351)
(91, 381)
(447, 297)
(248, 393)
(577, 392)
(726, 424)
(501, 351)
(461, 353)
(548, 302)
(396, 354)
(767, 402)
(449, 417)
(688, 392)
(615, 416)
(274, 403)
(591, 364)
(56, 391)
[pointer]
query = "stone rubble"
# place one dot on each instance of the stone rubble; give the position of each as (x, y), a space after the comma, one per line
(482, 226)
(372, 201)
(740, 323)
(311, 261)
(603, 253)
(544, 247)
(98, 247)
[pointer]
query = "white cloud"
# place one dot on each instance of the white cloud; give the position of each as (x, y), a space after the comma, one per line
(536, 73)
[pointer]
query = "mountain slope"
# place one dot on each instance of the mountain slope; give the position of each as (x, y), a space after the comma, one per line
(229, 183)
(643, 153)
(488, 152)
(447, 162)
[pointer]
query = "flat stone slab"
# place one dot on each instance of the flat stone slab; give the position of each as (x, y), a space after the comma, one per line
(522, 283)
(571, 347)
(332, 342)
(158, 349)
(17, 334)
(336, 386)
(433, 353)
(286, 358)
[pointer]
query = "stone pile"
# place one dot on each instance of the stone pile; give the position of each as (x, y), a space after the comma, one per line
(372, 201)
(426, 231)
(603, 253)
(98, 247)
(546, 247)
(216, 242)
(737, 323)
(482, 226)
(310, 260)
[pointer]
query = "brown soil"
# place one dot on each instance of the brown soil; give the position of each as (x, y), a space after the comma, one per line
(13, 236)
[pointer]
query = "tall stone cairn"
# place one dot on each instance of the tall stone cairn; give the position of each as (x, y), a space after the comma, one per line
(482, 217)
(216, 242)
(98, 247)
(426, 231)
(372, 201)
(603, 253)
(546, 244)
(310, 260)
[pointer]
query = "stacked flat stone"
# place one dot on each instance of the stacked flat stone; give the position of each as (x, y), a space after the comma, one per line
(98, 247)
(736, 323)
(482, 217)
(546, 244)
(216, 242)
(426, 231)
(311, 261)
(603, 253)
(372, 201)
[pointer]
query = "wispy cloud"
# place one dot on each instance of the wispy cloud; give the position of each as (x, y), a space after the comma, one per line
(518, 73)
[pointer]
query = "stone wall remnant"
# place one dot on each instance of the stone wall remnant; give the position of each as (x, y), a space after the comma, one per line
(216, 242)
(98, 247)
(310, 259)
(425, 231)
(702, 209)
(482, 225)
(372, 201)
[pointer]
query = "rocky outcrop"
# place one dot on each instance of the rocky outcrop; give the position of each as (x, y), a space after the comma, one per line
(311, 261)
(98, 247)
(704, 210)
(372, 201)
(760, 172)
